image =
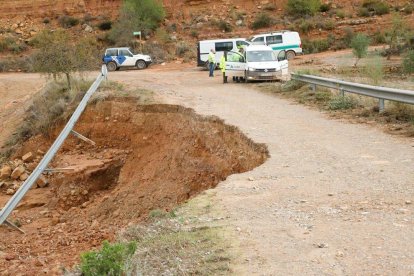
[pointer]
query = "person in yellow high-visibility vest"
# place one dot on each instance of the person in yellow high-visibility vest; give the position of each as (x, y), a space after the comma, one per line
(223, 66)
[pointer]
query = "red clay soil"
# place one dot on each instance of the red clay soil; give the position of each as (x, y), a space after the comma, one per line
(146, 157)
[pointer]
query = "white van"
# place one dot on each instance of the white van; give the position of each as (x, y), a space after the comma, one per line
(259, 62)
(280, 40)
(219, 45)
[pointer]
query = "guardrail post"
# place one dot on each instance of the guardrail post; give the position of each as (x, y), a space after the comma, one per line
(381, 105)
(342, 92)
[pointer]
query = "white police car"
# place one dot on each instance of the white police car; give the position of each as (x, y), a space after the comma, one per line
(116, 58)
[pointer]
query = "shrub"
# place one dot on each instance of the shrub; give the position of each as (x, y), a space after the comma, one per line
(46, 20)
(375, 70)
(181, 48)
(325, 7)
(224, 26)
(68, 21)
(262, 20)
(269, 7)
(194, 33)
(359, 45)
(341, 102)
(408, 62)
(143, 15)
(374, 7)
(408, 9)
(340, 14)
(110, 260)
(315, 46)
(302, 7)
(379, 37)
(105, 25)
(349, 35)
(364, 12)
(306, 26)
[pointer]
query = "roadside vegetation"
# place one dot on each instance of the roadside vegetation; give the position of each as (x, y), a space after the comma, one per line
(169, 243)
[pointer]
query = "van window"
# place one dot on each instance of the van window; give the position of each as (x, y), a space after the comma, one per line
(224, 46)
(112, 52)
(125, 53)
(274, 39)
(235, 57)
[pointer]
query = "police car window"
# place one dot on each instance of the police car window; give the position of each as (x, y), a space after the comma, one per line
(258, 40)
(125, 53)
(274, 39)
(224, 46)
(112, 52)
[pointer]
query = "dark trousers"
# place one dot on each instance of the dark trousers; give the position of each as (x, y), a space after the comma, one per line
(224, 77)
(212, 66)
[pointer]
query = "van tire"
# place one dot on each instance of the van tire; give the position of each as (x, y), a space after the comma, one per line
(141, 64)
(111, 66)
(290, 55)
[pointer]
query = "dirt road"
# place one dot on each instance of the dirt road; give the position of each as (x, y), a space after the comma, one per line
(334, 198)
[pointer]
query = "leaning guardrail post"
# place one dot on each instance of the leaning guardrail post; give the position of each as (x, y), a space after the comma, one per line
(342, 92)
(381, 105)
(312, 87)
(42, 166)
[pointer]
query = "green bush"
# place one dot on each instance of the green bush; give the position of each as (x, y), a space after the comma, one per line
(379, 37)
(359, 45)
(68, 21)
(262, 20)
(325, 7)
(136, 15)
(110, 260)
(269, 7)
(105, 25)
(340, 14)
(305, 26)
(303, 7)
(408, 62)
(46, 20)
(341, 102)
(373, 7)
(194, 33)
(315, 46)
(409, 9)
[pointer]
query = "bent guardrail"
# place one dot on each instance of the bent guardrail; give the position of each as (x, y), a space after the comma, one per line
(17, 197)
(379, 92)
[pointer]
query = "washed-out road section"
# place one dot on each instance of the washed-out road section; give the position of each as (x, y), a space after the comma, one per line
(333, 198)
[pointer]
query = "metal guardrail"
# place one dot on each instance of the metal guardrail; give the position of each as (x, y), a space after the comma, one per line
(16, 198)
(379, 92)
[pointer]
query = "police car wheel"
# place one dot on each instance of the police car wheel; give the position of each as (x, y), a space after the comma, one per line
(290, 55)
(141, 64)
(111, 66)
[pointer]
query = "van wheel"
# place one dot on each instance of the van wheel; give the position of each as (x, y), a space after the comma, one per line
(111, 66)
(141, 64)
(290, 55)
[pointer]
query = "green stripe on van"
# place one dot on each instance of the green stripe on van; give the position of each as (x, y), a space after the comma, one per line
(285, 47)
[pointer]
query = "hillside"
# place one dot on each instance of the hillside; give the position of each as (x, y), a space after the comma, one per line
(191, 20)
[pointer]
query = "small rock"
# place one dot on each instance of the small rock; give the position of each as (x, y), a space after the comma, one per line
(5, 172)
(10, 191)
(251, 179)
(238, 229)
(339, 254)
(330, 194)
(322, 245)
(24, 176)
(239, 22)
(17, 172)
(28, 157)
(40, 152)
(42, 182)
(408, 202)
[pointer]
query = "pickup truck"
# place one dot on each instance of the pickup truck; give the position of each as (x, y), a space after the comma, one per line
(115, 58)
